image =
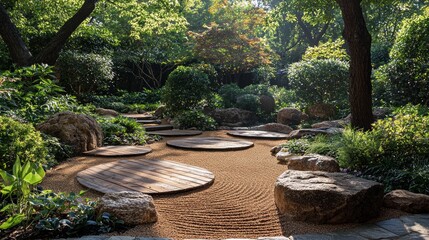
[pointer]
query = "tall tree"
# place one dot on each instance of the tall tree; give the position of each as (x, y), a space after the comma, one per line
(359, 42)
(19, 51)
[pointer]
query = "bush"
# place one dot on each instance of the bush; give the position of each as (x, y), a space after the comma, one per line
(257, 89)
(249, 102)
(320, 81)
(284, 97)
(229, 94)
(395, 152)
(82, 73)
(122, 131)
(185, 88)
(380, 54)
(20, 140)
(328, 50)
(406, 77)
(56, 150)
(195, 119)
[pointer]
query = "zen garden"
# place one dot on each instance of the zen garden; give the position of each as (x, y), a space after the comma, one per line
(214, 119)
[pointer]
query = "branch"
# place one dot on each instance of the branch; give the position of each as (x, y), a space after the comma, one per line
(17, 48)
(52, 50)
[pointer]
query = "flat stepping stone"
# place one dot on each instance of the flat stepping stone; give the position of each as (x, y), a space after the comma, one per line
(150, 121)
(119, 151)
(175, 133)
(210, 143)
(147, 176)
(140, 116)
(257, 134)
(157, 127)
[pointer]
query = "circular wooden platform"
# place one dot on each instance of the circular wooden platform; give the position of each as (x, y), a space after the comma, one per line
(151, 121)
(146, 176)
(139, 116)
(175, 133)
(119, 151)
(258, 134)
(210, 143)
(150, 128)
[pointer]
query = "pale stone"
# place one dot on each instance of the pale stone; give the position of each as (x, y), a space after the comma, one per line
(407, 201)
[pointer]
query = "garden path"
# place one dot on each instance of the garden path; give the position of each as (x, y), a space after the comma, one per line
(239, 204)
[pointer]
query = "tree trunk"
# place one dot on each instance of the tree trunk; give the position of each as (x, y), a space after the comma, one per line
(18, 50)
(359, 41)
(52, 50)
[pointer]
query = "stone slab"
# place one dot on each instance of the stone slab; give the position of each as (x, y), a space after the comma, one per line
(149, 128)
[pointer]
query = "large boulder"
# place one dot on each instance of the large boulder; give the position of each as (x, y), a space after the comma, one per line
(321, 111)
(311, 162)
(160, 111)
(80, 131)
(324, 197)
(290, 116)
(233, 117)
(268, 104)
(299, 133)
(407, 201)
(133, 208)
(330, 124)
(106, 112)
(273, 127)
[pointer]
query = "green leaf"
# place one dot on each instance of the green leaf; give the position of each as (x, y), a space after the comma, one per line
(33, 178)
(17, 167)
(41, 171)
(12, 221)
(26, 169)
(8, 207)
(7, 177)
(7, 190)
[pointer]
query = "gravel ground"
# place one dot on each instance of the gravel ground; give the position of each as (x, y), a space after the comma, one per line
(239, 204)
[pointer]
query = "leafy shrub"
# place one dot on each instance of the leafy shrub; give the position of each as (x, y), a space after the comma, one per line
(56, 150)
(380, 54)
(395, 152)
(264, 74)
(328, 50)
(122, 131)
(229, 94)
(284, 97)
(185, 88)
(406, 77)
(249, 102)
(195, 119)
(31, 93)
(297, 146)
(257, 89)
(85, 72)
(19, 140)
(320, 81)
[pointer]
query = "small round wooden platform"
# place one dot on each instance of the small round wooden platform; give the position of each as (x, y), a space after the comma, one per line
(157, 127)
(151, 121)
(210, 143)
(146, 176)
(257, 134)
(139, 116)
(119, 151)
(176, 133)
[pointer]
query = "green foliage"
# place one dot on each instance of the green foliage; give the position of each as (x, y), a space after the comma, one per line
(380, 54)
(83, 73)
(19, 140)
(16, 187)
(122, 131)
(195, 119)
(31, 93)
(257, 89)
(248, 102)
(412, 39)
(264, 74)
(328, 50)
(229, 94)
(320, 81)
(56, 150)
(185, 88)
(296, 146)
(406, 78)
(284, 97)
(395, 152)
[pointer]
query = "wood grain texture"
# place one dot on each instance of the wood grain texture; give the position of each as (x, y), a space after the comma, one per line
(149, 176)
(210, 143)
(175, 133)
(257, 134)
(119, 151)
(157, 127)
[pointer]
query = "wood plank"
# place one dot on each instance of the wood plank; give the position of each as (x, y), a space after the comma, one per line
(147, 176)
(210, 143)
(175, 133)
(157, 127)
(258, 134)
(119, 151)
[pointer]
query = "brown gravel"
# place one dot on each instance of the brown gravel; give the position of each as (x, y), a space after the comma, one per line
(239, 204)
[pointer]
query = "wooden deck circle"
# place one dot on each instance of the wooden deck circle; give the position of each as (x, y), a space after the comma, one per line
(175, 133)
(139, 116)
(146, 176)
(119, 151)
(257, 134)
(210, 143)
(149, 128)
(150, 121)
